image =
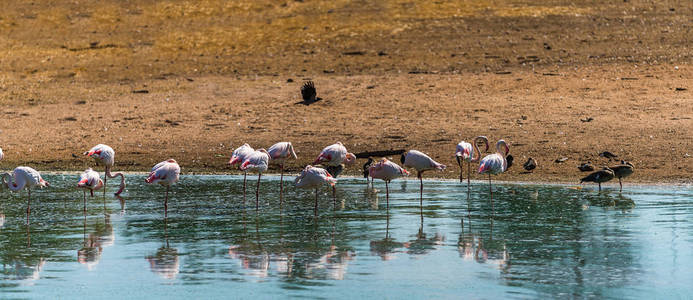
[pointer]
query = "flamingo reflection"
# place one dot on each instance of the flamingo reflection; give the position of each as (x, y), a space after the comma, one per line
(386, 247)
(165, 261)
(473, 247)
(95, 241)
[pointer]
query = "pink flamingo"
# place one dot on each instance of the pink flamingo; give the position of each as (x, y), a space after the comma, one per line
(314, 177)
(334, 155)
(89, 180)
(103, 154)
(258, 161)
(386, 170)
(237, 157)
(421, 162)
(165, 173)
(279, 152)
(495, 164)
(469, 153)
(21, 178)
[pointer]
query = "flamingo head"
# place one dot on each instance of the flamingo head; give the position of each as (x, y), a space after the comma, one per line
(350, 159)
(93, 153)
(43, 183)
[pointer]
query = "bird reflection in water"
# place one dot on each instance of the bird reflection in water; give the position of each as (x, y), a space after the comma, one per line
(94, 242)
(423, 245)
(254, 257)
(165, 262)
(387, 247)
(608, 200)
(474, 247)
(27, 270)
(333, 264)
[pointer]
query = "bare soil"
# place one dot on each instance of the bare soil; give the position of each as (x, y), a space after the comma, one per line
(192, 80)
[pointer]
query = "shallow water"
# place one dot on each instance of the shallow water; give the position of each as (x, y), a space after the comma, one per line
(540, 241)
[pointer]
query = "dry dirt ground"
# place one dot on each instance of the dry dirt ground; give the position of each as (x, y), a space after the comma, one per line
(193, 80)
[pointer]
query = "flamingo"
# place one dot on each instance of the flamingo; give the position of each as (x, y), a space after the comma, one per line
(259, 161)
(238, 156)
(165, 173)
(89, 180)
(21, 178)
(103, 154)
(387, 170)
(471, 154)
(421, 162)
(332, 157)
(600, 176)
(466, 152)
(279, 152)
(622, 171)
(495, 164)
(314, 177)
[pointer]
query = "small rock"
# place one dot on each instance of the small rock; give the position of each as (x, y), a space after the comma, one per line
(560, 160)
(289, 80)
(590, 119)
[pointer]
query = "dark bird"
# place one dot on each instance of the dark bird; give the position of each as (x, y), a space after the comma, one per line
(366, 166)
(335, 170)
(530, 165)
(586, 167)
(308, 92)
(509, 159)
(600, 176)
(622, 170)
(607, 154)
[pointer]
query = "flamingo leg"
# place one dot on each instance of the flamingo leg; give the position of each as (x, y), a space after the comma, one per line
(257, 192)
(315, 210)
(105, 178)
(281, 184)
(85, 203)
(469, 175)
(28, 207)
(461, 169)
(334, 197)
(166, 203)
(387, 196)
(245, 174)
(490, 190)
(620, 185)
(420, 190)
(600, 186)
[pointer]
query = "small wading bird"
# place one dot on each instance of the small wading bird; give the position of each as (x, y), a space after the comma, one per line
(421, 163)
(89, 180)
(21, 178)
(258, 161)
(308, 92)
(623, 170)
(314, 177)
(103, 154)
(495, 164)
(238, 157)
(600, 176)
(279, 152)
(332, 157)
(366, 166)
(387, 170)
(165, 173)
(530, 165)
(586, 167)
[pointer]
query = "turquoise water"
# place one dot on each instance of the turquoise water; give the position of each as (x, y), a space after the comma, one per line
(540, 241)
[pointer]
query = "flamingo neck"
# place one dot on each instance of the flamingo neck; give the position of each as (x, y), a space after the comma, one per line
(12, 183)
(122, 179)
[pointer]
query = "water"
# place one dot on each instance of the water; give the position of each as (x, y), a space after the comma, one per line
(542, 241)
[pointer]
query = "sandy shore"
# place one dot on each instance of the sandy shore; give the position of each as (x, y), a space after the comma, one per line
(129, 76)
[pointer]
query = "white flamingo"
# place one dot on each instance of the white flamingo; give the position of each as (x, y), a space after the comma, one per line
(21, 178)
(165, 173)
(495, 164)
(258, 161)
(421, 162)
(237, 157)
(279, 152)
(387, 170)
(103, 154)
(89, 180)
(471, 154)
(333, 156)
(314, 177)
